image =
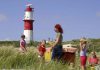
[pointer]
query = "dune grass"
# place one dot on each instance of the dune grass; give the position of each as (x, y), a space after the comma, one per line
(11, 58)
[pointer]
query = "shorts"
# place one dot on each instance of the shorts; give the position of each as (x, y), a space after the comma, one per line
(83, 60)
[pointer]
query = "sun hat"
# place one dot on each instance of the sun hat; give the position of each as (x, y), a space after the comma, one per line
(83, 40)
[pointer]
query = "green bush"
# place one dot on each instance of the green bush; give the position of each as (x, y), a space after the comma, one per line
(17, 43)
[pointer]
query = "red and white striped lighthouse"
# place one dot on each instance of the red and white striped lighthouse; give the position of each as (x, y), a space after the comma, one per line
(28, 23)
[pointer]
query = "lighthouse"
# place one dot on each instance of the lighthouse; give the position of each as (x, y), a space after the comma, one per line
(28, 23)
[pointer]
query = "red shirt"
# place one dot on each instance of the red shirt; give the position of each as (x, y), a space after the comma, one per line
(42, 49)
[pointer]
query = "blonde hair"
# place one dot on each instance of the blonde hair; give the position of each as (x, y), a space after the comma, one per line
(83, 40)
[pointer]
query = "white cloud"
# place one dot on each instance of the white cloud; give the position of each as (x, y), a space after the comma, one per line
(3, 17)
(98, 14)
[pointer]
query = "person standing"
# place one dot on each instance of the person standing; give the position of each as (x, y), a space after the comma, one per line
(83, 51)
(57, 46)
(22, 44)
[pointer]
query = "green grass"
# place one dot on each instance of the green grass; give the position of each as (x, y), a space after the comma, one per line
(16, 43)
(11, 58)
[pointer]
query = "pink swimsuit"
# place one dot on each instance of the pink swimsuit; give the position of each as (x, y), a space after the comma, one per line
(93, 60)
(22, 43)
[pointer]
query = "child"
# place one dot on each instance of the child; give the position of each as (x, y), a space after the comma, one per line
(83, 51)
(22, 44)
(93, 60)
(41, 48)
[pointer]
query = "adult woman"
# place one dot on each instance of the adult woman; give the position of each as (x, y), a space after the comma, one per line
(57, 47)
(83, 50)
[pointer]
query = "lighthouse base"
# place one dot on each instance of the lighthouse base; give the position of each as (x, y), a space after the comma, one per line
(28, 36)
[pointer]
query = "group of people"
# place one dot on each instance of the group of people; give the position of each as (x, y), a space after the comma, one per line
(57, 49)
(92, 60)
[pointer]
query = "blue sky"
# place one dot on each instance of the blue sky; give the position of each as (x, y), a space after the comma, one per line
(78, 18)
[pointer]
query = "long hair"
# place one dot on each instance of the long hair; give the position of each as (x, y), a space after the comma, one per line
(58, 26)
(94, 54)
